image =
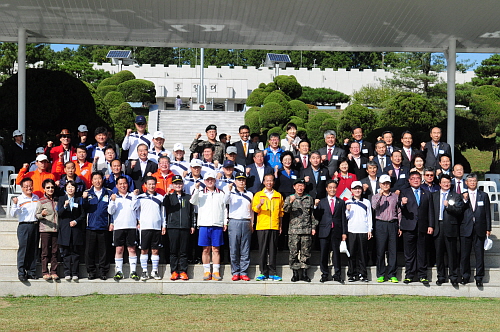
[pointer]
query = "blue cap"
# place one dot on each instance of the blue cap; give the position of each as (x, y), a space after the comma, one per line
(140, 119)
(228, 163)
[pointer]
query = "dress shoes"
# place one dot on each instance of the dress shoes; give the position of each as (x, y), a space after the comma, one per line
(439, 282)
(464, 281)
(338, 279)
(479, 283)
(23, 278)
(323, 278)
(104, 277)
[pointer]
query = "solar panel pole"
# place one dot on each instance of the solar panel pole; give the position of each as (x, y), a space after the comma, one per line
(451, 59)
(202, 77)
(21, 81)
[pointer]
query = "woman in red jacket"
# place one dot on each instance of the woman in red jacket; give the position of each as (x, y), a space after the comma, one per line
(344, 179)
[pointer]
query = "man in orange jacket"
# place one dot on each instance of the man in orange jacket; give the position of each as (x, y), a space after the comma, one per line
(38, 176)
(163, 177)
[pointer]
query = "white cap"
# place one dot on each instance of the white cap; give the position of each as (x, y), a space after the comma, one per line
(82, 128)
(356, 184)
(209, 174)
(384, 178)
(195, 163)
(41, 157)
(158, 134)
(39, 150)
(178, 146)
(16, 132)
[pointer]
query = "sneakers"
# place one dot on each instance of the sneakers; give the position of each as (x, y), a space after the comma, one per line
(118, 275)
(394, 280)
(216, 276)
(144, 276)
(46, 277)
(363, 279)
(183, 276)
(261, 277)
(275, 278)
(54, 276)
(424, 281)
(174, 276)
(380, 279)
(351, 279)
(155, 275)
(207, 276)
(236, 277)
(134, 275)
(68, 278)
(75, 278)
(244, 277)
(407, 280)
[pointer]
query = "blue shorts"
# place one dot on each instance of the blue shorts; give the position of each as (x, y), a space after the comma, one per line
(210, 236)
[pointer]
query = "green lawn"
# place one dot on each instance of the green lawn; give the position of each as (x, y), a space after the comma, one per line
(243, 313)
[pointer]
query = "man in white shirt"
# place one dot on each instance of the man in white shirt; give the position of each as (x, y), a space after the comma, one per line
(177, 163)
(458, 184)
(157, 149)
(381, 157)
(133, 139)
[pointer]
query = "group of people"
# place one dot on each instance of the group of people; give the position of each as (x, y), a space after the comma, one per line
(356, 196)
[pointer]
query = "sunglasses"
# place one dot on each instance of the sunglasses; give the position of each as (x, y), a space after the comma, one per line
(65, 136)
(49, 188)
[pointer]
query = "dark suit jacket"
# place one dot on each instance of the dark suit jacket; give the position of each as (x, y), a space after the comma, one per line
(66, 233)
(313, 188)
(324, 215)
(366, 149)
(454, 183)
(451, 214)
(394, 148)
(413, 216)
(401, 181)
(298, 165)
(387, 161)
(254, 183)
(479, 219)
(240, 154)
(333, 163)
(407, 162)
(369, 193)
(136, 173)
(359, 171)
(430, 159)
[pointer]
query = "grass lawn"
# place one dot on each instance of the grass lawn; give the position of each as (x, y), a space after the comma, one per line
(243, 313)
(480, 161)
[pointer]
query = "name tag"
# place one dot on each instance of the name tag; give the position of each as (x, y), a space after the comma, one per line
(294, 177)
(378, 190)
(73, 158)
(364, 151)
(364, 165)
(335, 157)
(441, 151)
(323, 178)
(84, 172)
(402, 176)
(480, 203)
(251, 150)
(105, 199)
(75, 205)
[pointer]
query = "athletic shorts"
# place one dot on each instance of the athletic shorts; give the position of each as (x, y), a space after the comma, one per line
(125, 237)
(150, 239)
(211, 236)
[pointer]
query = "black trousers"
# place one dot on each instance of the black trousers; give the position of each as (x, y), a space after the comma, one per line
(27, 237)
(96, 246)
(414, 250)
(179, 242)
(268, 248)
(331, 243)
(448, 245)
(466, 245)
(386, 239)
(357, 244)
(71, 260)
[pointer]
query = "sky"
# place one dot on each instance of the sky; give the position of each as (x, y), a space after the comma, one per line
(477, 57)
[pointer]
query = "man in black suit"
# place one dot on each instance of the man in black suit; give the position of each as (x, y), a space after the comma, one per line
(315, 176)
(366, 148)
(458, 184)
(302, 158)
(256, 171)
(381, 158)
(434, 148)
(388, 138)
(357, 162)
(331, 154)
(417, 220)
(332, 229)
(448, 207)
(139, 169)
(370, 183)
(398, 173)
(408, 153)
(476, 225)
(245, 148)
(444, 166)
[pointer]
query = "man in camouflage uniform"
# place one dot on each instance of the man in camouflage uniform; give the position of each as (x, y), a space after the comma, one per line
(301, 230)
(198, 144)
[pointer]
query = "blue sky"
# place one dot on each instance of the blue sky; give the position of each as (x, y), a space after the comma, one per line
(477, 57)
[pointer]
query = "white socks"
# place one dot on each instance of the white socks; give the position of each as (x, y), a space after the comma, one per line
(206, 267)
(144, 262)
(119, 264)
(216, 267)
(155, 259)
(133, 263)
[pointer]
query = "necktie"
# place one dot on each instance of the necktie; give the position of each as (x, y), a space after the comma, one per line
(435, 150)
(417, 197)
(332, 208)
(304, 162)
(390, 149)
(382, 163)
(473, 200)
(441, 213)
(408, 153)
(245, 148)
(459, 191)
(329, 154)
(396, 171)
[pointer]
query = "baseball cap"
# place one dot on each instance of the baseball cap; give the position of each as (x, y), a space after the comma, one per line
(196, 163)
(158, 134)
(177, 178)
(63, 132)
(140, 119)
(209, 175)
(231, 149)
(299, 180)
(211, 127)
(42, 157)
(82, 128)
(240, 175)
(16, 132)
(228, 163)
(384, 178)
(178, 146)
(39, 150)
(355, 184)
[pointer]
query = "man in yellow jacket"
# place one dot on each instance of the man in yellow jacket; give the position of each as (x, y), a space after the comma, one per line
(268, 204)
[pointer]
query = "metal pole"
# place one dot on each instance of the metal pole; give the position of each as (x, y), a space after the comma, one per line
(451, 73)
(202, 76)
(21, 81)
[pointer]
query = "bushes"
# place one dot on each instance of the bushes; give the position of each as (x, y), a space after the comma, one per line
(299, 109)
(356, 116)
(276, 97)
(272, 115)
(252, 120)
(123, 117)
(316, 127)
(138, 90)
(289, 85)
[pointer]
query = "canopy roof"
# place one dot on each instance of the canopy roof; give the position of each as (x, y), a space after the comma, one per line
(335, 25)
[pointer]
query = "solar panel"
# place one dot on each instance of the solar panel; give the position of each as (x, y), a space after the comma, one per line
(119, 54)
(278, 57)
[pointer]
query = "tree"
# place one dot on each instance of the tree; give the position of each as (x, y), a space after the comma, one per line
(80, 68)
(123, 118)
(272, 115)
(356, 115)
(299, 109)
(374, 96)
(289, 85)
(277, 97)
(316, 127)
(485, 106)
(138, 90)
(489, 72)
(252, 120)
(322, 96)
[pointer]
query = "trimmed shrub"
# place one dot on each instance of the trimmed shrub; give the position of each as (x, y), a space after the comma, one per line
(272, 115)
(114, 99)
(299, 109)
(356, 115)
(315, 128)
(252, 120)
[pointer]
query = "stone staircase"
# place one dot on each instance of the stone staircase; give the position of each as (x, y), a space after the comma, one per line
(9, 285)
(182, 126)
